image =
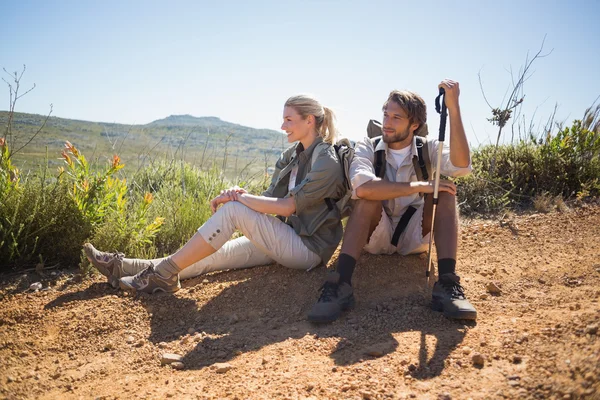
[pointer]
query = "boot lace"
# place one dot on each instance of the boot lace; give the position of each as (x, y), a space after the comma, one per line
(328, 292)
(453, 288)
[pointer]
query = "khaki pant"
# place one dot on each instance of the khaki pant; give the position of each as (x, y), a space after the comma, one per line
(266, 240)
(411, 240)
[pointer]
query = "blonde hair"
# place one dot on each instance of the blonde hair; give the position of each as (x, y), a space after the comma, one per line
(306, 105)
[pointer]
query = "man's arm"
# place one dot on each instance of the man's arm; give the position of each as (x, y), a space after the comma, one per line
(378, 189)
(459, 146)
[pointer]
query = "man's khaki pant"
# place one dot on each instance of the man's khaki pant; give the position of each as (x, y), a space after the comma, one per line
(266, 240)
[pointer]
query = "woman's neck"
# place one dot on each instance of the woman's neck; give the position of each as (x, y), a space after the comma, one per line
(308, 140)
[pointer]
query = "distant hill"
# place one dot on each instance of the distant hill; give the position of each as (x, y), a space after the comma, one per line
(198, 140)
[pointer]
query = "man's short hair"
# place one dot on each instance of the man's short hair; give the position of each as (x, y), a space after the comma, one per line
(411, 103)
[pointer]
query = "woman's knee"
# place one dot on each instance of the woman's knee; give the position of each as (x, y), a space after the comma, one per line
(233, 208)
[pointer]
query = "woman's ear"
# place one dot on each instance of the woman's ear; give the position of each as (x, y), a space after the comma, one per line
(310, 119)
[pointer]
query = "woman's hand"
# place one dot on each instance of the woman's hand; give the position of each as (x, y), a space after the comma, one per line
(226, 195)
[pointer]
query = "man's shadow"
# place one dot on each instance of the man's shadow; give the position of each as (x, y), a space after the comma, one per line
(268, 305)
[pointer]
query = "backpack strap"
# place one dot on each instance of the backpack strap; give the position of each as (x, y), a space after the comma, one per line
(402, 224)
(421, 161)
(379, 158)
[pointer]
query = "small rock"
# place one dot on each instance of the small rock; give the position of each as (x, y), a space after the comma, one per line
(35, 286)
(178, 365)
(108, 347)
(478, 360)
(493, 288)
(205, 281)
(168, 358)
(513, 377)
(375, 353)
(221, 368)
(10, 379)
(466, 350)
(542, 281)
(129, 340)
(444, 396)
(140, 343)
(163, 345)
(591, 329)
(483, 296)
(191, 331)
(517, 359)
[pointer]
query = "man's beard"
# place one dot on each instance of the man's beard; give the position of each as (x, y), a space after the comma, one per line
(398, 136)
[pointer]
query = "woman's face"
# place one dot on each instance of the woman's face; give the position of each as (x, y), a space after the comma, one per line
(295, 126)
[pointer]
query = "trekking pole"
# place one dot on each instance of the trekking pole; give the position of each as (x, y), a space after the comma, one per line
(443, 114)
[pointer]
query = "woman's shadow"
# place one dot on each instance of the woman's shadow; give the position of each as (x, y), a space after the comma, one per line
(268, 305)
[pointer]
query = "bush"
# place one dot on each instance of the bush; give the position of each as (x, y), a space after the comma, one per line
(565, 165)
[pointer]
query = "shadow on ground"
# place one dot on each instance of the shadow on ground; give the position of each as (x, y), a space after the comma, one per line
(268, 305)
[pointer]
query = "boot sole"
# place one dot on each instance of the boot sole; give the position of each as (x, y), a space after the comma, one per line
(466, 315)
(323, 319)
(128, 288)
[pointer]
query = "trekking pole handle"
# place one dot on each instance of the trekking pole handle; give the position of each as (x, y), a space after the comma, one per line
(441, 109)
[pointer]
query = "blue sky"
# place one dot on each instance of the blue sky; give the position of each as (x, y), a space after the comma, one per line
(137, 61)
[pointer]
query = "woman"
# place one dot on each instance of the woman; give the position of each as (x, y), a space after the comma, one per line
(304, 235)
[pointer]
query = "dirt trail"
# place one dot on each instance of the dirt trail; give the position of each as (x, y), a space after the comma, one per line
(538, 338)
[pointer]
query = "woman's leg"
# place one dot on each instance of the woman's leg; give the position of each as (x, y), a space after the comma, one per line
(271, 236)
(235, 254)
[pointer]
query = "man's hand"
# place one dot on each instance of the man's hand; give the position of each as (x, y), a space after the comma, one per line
(428, 187)
(452, 92)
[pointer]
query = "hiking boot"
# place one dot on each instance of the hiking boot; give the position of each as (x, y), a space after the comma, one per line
(335, 297)
(448, 296)
(150, 281)
(108, 264)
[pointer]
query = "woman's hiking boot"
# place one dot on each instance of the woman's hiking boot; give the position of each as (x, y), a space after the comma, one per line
(108, 264)
(150, 281)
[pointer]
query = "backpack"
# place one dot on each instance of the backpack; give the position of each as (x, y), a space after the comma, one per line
(421, 161)
(345, 152)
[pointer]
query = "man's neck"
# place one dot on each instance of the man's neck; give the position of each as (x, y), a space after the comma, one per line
(402, 144)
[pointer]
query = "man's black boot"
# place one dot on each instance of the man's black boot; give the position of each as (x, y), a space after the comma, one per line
(448, 296)
(335, 297)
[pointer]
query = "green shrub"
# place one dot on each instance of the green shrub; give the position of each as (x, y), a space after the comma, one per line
(565, 165)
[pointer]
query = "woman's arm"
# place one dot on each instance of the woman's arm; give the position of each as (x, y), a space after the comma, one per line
(267, 205)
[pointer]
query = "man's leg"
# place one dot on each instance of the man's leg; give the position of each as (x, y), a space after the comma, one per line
(448, 295)
(336, 293)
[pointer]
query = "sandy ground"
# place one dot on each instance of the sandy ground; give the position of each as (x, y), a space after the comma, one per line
(244, 334)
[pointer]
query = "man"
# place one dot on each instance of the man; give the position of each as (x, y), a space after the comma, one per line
(381, 204)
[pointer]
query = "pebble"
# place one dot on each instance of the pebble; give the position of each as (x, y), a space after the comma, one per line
(178, 365)
(35, 286)
(478, 360)
(168, 358)
(191, 331)
(483, 296)
(517, 359)
(493, 288)
(129, 340)
(163, 345)
(221, 368)
(591, 329)
(466, 350)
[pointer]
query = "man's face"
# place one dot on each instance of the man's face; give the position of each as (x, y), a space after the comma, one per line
(396, 125)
